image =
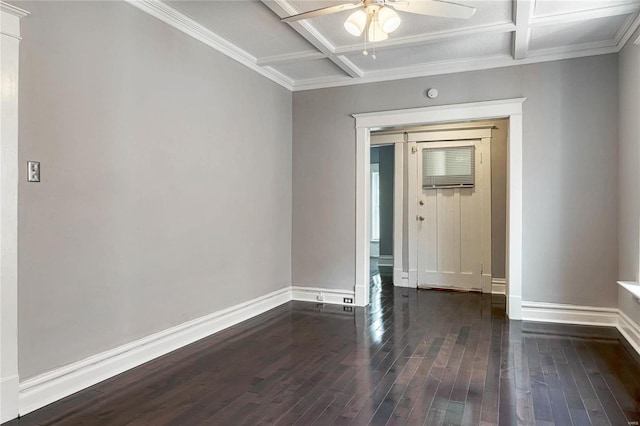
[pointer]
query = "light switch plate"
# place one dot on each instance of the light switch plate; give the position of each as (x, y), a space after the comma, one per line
(33, 171)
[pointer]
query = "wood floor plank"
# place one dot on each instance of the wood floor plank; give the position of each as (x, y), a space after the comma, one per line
(411, 358)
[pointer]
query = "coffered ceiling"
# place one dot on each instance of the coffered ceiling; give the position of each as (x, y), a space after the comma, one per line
(319, 52)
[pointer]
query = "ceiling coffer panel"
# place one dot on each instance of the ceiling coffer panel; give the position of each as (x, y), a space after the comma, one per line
(453, 49)
(544, 8)
(312, 69)
(412, 25)
(250, 25)
(576, 33)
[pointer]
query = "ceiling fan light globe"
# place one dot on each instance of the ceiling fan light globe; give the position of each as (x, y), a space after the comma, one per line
(389, 20)
(356, 22)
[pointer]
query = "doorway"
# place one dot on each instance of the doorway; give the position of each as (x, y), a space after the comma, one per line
(382, 214)
(507, 108)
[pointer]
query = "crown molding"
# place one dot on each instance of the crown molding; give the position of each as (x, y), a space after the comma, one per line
(13, 10)
(265, 66)
(172, 16)
(631, 28)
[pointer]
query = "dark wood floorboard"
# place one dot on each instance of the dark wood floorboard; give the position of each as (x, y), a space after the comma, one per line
(410, 358)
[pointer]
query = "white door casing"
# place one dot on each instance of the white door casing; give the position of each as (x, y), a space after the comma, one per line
(10, 32)
(504, 108)
(452, 243)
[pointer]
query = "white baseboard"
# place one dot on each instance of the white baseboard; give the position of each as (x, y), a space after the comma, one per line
(385, 260)
(57, 384)
(569, 314)
(400, 278)
(8, 398)
(498, 286)
(413, 278)
(630, 330)
(322, 295)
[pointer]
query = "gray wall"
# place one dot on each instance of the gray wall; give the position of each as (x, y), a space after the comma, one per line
(628, 174)
(387, 166)
(629, 161)
(166, 181)
(570, 164)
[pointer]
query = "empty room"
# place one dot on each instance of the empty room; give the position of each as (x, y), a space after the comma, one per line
(285, 212)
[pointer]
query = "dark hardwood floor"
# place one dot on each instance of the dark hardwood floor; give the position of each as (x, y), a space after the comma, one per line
(412, 357)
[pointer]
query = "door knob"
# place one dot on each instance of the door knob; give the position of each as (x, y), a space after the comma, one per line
(421, 203)
(421, 218)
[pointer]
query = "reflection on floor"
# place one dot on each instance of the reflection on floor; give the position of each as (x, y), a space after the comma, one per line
(411, 357)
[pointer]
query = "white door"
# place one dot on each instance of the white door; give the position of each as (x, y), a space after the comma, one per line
(450, 220)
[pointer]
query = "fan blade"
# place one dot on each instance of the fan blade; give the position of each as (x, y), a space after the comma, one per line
(320, 12)
(434, 8)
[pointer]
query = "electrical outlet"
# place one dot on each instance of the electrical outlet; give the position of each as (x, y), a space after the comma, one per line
(33, 171)
(347, 300)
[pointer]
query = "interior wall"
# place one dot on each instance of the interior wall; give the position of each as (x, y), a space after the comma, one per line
(629, 175)
(166, 181)
(569, 172)
(387, 166)
(629, 160)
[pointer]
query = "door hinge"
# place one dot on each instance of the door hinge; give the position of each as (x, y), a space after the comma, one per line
(480, 158)
(481, 269)
(414, 149)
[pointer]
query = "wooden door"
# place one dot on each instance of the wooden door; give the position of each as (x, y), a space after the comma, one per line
(450, 221)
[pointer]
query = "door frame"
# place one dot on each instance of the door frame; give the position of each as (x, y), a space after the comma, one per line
(505, 108)
(10, 17)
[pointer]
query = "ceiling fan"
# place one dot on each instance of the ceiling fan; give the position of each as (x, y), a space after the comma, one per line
(379, 18)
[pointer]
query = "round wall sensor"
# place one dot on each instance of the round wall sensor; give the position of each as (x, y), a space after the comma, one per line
(432, 93)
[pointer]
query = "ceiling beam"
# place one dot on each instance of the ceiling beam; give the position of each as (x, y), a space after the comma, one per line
(522, 13)
(283, 8)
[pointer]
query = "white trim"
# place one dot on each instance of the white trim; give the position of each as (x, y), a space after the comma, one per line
(9, 62)
(630, 330)
(511, 108)
(632, 287)
(627, 35)
(9, 398)
(385, 260)
(400, 278)
(569, 314)
(498, 286)
(13, 10)
(412, 213)
(172, 16)
(637, 41)
(398, 211)
(363, 182)
(54, 385)
(321, 295)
